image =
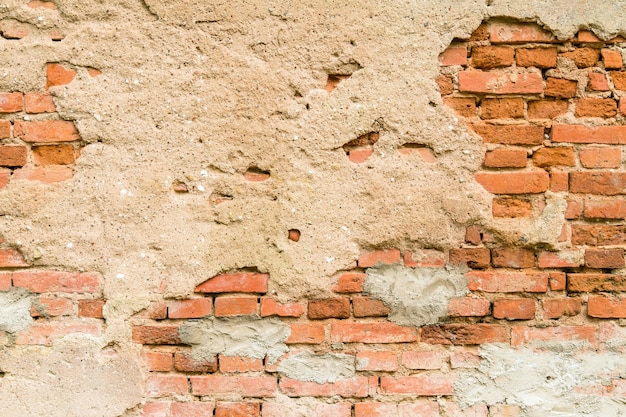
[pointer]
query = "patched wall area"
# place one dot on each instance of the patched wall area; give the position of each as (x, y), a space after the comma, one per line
(346, 209)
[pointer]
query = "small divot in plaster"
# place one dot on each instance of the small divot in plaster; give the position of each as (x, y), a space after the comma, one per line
(307, 366)
(15, 308)
(239, 336)
(415, 296)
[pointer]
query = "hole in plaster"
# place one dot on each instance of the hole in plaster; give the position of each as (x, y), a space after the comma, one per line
(294, 234)
(360, 149)
(255, 174)
(333, 81)
(218, 198)
(180, 187)
(425, 152)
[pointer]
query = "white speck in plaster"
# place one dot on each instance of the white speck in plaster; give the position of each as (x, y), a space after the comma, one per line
(344, 228)
(204, 173)
(200, 188)
(142, 254)
(329, 259)
(27, 117)
(119, 276)
(69, 245)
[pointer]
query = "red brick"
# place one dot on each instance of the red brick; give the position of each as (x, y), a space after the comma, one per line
(555, 308)
(445, 85)
(240, 364)
(246, 282)
(357, 387)
(58, 75)
(53, 281)
(605, 209)
(546, 109)
(375, 410)
(528, 182)
(192, 409)
(90, 308)
(614, 135)
(427, 385)
(11, 102)
(12, 29)
(306, 333)
(612, 58)
(510, 134)
(160, 409)
(464, 334)
(619, 79)
(464, 358)
(270, 307)
(598, 235)
(595, 107)
(601, 157)
(425, 359)
(498, 281)
(583, 57)
(587, 36)
(358, 156)
(156, 335)
(311, 409)
(424, 258)
(369, 307)
(536, 57)
(350, 282)
(511, 207)
(502, 108)
(521, 335)
(454, 55)
(256, 175)
(54, 155)
(473, 257)
(506, 158)
(294, 235)
(157, 311)
(387, 256)
(598, 82)
(5, 281)
(468, 307)
(559, 181)
(370, 360)
(46, 174)
(372, 333)
(568, 258)
(11, 258)
(508, 32)
(185, 362)
(595, 282)
(573, 210)
(237, 409)
(259, 386)
(52, 307)
(189, 309)
(472, 235)
(600, 183)
(604, 258)
(5, 129)
(560, 88)
(494, 83)
(47, 333)
(489, 57)
(329, 308)
(463, 106)
(44, 131)
(514, 308)
(157, 361)
(606, 307)
(235, 306)
(166, 385)
(37, 102)
(334, 80)
(512, 258)
(559, 156)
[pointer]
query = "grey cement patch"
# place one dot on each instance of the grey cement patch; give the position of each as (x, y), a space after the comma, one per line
(416, 296)
(307, 366)
(15, 310)
(239, 336)
(544, 383)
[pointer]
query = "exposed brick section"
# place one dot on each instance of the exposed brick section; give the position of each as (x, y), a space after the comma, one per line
(91, 308)
(158, 361)
(598, 82)
(583, 57)
(306, 333)
(425, 359)
(521, 335)
(156, 335)
(11, 258)
(611, 58)
(593, 282)
(530, 182)
(593, 157)
(38, 102)
(189, 309)
(371, 333)
(468, 307)
(559, 307)
(502, 108)
(464, 334)
(509, 32)
(166, 385)
(260, 386)
(53, 281)
(424, 258)
(463, 106)
(235, 306)
(472, 257)
(604, 258)
(350, 282)
(454, 55)
(52, 307)
(329, 308)
(605, 209)
(445, 84)
(510, 134)
(58, 75)
(536, 57)
(193, 409)
(245, 282)
(606, 307)
(369, 307)
(384, 361)
(54, 154)
(511, 207)
(271, 307)
(354, 387)
(548, 157)
(236, 364)
(546, 109)
(595, 107)
(615, 135)
(47, 334)
(513, 258)
(185, 362)
(505, 282)
(368, 259)
(506, 158)
(493, 83)
(599, 183)
(598, 235)
(514, 308)
(564, 259)
(560, 88)
(433, 384)
(489, 57)
(11, 102)
(237, 409)
(46, 131)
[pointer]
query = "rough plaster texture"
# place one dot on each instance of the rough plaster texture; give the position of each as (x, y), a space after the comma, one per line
(329, 367)
(15, 310)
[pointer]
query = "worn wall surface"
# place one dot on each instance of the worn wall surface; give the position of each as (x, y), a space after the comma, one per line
(355, 208)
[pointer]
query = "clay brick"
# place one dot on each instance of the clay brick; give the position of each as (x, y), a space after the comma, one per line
(445, 85)
(430, 385)
(45, 131)
(557, 281)
(334, 80)
(388, 256)
(329, 308)
(306, 333)
(369, 307)
(595, 282)
(424, 258)
(90, 308)
(425, 359)
(622, 107)
(11, 258)
(156, 311)
(184, 362)
(54, 155)
(421, 408)
(612, 58)
(522, 335)
(548, 157)
(605, 209)
(468, 307)
(489, 57)
(546, 109)
(595, 107)
(506, 158)
(256, 175)
(573, 209)
(57, 74)
(246, 282)
(555, 308)
(494, 83)
(54, 281)
(591, 157)
(512, 258)
(473, 257)
(5, 175)
(5, 281)
(619, 79)
(11, 29)
(606, 307)
(501, 108)
(372, 333)
(160, 409)
(604, 258)
(568, 258)
(37, 102)
(158, 361)
(464, 334)
(583, 57)
(454, 55)
(501, 281)
(51, 307)
(598, 82)
(509, 32)
(463, 106)
(559, 181)
(560, 88)
(600, 183)
(536, 57)
(375, 410)
(316, 409)
(350, 282)
(587, 36)
(527, 182)
(11, 102)
(511, 207)
(156, 335)
(47, 333)
(480, 34)
(193, 409)
(464, 358)
(166, 385)
(45, 174)
(240, 364)
(472, 235)
(235, 306)
(270, 307)
(5, 129)
(357, 387)
(370, 360)
(514, 308)
(598, 235)
(613, 135)
(358, 156)
(237, 409)
(189, 309)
